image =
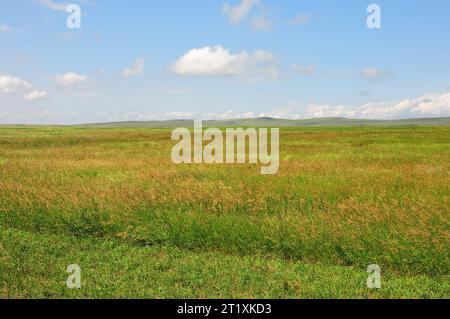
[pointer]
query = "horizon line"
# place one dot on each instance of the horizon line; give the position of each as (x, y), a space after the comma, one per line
(231, 119)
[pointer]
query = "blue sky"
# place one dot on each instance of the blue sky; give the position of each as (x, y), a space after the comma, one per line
(145, 60)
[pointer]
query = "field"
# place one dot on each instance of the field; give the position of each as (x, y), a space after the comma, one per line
(111, 200)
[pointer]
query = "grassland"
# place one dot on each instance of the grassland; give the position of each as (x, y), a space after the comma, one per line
(111, 200)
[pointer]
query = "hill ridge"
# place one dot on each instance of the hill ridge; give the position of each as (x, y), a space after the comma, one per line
(271, 122)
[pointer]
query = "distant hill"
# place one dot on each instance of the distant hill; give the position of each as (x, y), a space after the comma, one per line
(272, 122)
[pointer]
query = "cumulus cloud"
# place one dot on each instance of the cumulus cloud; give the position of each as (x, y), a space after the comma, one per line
(238, 12)
(49, 4)
(136, 69)
(308, 69)
(428, 105)
(69, 79)
(5, 28)
(35, 95)
(375, 74)
(10, 84)
(220, 61)
(434, 104)
(431, 104)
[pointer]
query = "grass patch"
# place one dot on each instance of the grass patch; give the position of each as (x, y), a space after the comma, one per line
(110, 269)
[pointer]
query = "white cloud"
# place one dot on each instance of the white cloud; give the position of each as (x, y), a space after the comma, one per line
(69, 79)
(375, 74)
(5, 28)
(432, 104)
(49, 4)
(300, 20)
(10, 84)
(179, 115)
(428, 105)
(237, 13)
(136, 69)
(304, 69)
(35, 95)
(220, 61)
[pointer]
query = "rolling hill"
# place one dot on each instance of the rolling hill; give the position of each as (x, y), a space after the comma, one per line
(273, 122)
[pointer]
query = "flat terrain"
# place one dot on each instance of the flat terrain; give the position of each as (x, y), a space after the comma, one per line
(111, 200)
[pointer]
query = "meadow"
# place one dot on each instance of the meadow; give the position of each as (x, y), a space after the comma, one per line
(111, 200)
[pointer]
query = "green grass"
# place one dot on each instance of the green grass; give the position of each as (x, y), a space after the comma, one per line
(111, 200)
(34, 266)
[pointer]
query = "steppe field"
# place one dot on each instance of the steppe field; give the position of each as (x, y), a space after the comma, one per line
(111, 200)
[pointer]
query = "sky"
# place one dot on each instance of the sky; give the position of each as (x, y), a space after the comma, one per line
(215, 59)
